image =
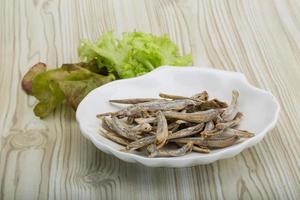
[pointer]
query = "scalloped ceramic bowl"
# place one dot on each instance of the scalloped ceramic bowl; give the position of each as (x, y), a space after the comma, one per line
(260, 108)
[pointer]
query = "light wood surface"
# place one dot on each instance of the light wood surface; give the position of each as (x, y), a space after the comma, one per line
(50, 159)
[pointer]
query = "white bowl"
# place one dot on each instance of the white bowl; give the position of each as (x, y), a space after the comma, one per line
(260, 108)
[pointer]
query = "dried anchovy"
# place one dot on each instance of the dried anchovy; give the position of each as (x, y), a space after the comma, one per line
(209, 126)
(114, 137)
(200, 149)
(130, 119)
(209, 133)
(173, 127)
(172, 153)
(221, 141)
(203, 96)
(188, 123)
(170, 96)
(211, 142)
(133, 101)
(151, 148)
(106, 124)
(231, 111)
(187, 131)
(162, 131)
(197, 117)
(240, 133)
(145, 127)
(236, 121)
(153, 106)
(141, 142)
(213, 104)
(181, 122)
(145, 120)
(176, 97)
(120, 128)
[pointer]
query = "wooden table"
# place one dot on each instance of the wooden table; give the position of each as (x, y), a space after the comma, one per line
(50, 159)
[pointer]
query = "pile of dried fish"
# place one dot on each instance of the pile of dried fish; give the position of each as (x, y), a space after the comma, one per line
(174, 125)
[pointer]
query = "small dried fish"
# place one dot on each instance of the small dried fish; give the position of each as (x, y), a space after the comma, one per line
(221, 104)
(231, 111)
(168, 105)
(172, 153)
(208, 129)
(213, 104)
(129, 111)
(145, 127)
(192, 109)
(162, 131)
(195, 140)
(171, 96)
(114, 137)
(211, 142)
(203, 96)
(187, 123)
(218, 119)
(152, 132)
(196, 148)
(181, 122)
(173, 126)
(176, 97)
(152, 106)
(187, 131)
(120, 128)
(200, 149)
(99, 116)
(141, 142)
(133, 101)
(240, 133)
(209, 126)
(148, 120)
(151, 148)
(197, 117)
(221, 141)
(106, 124)
(236, 121)
(209, 133)
(130, 119)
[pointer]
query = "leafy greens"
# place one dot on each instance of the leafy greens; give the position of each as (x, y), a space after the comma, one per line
(105, 60)
(135, 54)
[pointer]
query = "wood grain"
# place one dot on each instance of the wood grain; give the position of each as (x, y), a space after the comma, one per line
(50, 159)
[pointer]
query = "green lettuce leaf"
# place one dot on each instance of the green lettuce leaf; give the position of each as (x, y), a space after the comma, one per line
(31, 74)
(135, 54)
(70, 82)
(108, 58)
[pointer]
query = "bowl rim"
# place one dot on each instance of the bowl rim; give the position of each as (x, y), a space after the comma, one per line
(165, 161)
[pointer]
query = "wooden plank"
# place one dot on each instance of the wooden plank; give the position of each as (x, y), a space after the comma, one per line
(50, 159)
